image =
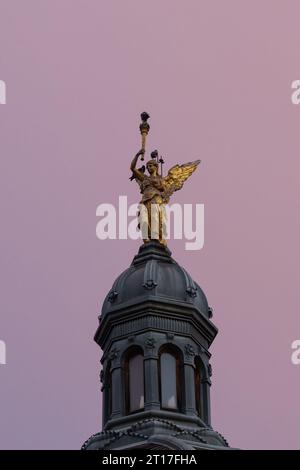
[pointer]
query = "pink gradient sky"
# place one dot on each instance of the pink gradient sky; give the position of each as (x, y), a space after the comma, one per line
(215, 77)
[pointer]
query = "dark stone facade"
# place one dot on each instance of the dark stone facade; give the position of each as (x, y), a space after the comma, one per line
(156, 306)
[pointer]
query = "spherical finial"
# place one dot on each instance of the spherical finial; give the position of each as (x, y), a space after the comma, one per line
(144, 116)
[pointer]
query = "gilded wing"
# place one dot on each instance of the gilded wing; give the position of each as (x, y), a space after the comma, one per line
(176, 176)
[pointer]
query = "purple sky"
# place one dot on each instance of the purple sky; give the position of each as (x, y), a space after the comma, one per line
(215, 77)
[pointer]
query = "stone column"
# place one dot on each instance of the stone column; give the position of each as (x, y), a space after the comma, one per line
(116, 392)
(205, 389)
(151, 345)
(152, 401)
(189, 380)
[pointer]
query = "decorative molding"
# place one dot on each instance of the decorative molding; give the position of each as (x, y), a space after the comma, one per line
(210, 312)
(150, 284)
(150, 274)
(113, 353)
(140, 430)
(209, 370)
(150, 342)
(151, 321)
(170, 336)
(102, 380)
(192, 291)
(165, 306)
(186, 432)
(189, 350)
(112, 296)
(191, 288)
(184, 322)
(201, 350)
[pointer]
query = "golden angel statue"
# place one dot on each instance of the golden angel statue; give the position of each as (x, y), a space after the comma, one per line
(156, 192)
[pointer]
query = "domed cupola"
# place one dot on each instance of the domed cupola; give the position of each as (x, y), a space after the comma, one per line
(156, 276)
(155, 332)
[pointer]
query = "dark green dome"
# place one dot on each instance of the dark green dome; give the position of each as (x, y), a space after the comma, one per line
(155, 275)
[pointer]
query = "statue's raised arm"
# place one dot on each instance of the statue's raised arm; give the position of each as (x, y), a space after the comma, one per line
(137, 173)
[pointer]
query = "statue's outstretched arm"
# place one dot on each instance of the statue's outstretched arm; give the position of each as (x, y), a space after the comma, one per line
(137, 173)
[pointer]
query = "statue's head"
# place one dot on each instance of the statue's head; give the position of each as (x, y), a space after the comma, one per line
(152, 166)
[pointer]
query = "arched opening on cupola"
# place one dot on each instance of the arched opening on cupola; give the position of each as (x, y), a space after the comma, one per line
(171, 380)
(134, 379)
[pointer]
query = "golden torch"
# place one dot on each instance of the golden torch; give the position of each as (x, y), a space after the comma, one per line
(144, 129)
